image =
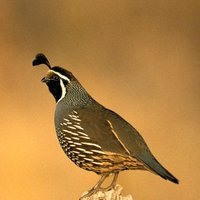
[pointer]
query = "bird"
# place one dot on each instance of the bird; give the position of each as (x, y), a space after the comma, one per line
(94, 137)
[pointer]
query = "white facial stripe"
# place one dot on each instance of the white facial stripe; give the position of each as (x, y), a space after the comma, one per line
(63, 90)
(61, 76)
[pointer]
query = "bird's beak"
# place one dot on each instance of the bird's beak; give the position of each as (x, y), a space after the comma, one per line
(45, 80)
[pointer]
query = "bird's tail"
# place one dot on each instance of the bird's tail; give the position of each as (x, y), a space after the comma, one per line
(154, 166)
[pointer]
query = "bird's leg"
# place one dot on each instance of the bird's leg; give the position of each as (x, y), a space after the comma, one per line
(112, 185)
(96, 187)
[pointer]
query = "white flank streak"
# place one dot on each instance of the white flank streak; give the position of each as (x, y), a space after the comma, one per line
(88, 159)
(84, 137)
(80, 149)
(79, 127)
(97, 163)
(71, 127)
(82, 133)
(77, 143)
(67, 138)
(75, 152)
(76, 119)
(69, 132)
(91, 144)
(80, 155)
(96, 151)
(66, 119)
(75, 138)
(88, 152)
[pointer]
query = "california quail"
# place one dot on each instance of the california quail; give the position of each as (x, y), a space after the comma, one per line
(92, 136)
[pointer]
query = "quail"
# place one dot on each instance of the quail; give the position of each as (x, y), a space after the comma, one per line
(92, 136)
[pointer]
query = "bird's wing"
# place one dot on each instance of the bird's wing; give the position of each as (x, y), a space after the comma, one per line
(112, 132)
(116, 135)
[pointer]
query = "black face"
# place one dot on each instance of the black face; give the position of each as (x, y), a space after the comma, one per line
(57, 79)
(55, 88)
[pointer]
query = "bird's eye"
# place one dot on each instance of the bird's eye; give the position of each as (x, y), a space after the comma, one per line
(56, 78)
(65, 82)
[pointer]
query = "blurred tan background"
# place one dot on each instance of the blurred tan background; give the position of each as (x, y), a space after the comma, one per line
(139, 58)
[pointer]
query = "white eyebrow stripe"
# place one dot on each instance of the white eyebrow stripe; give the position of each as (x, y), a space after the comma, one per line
(60, 75)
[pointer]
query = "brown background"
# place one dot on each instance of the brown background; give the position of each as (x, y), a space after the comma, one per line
(139, 58)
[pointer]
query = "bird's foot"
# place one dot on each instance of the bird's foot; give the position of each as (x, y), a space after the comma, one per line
(97, 188)
(111, 194)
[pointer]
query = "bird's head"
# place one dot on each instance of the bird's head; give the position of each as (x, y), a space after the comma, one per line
(61, 82)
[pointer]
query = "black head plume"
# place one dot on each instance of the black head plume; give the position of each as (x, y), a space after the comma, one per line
(41, 59)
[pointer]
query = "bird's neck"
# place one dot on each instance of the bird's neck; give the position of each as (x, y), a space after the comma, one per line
(77, 96)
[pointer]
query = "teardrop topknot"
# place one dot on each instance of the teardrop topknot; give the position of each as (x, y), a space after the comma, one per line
(41, 59)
